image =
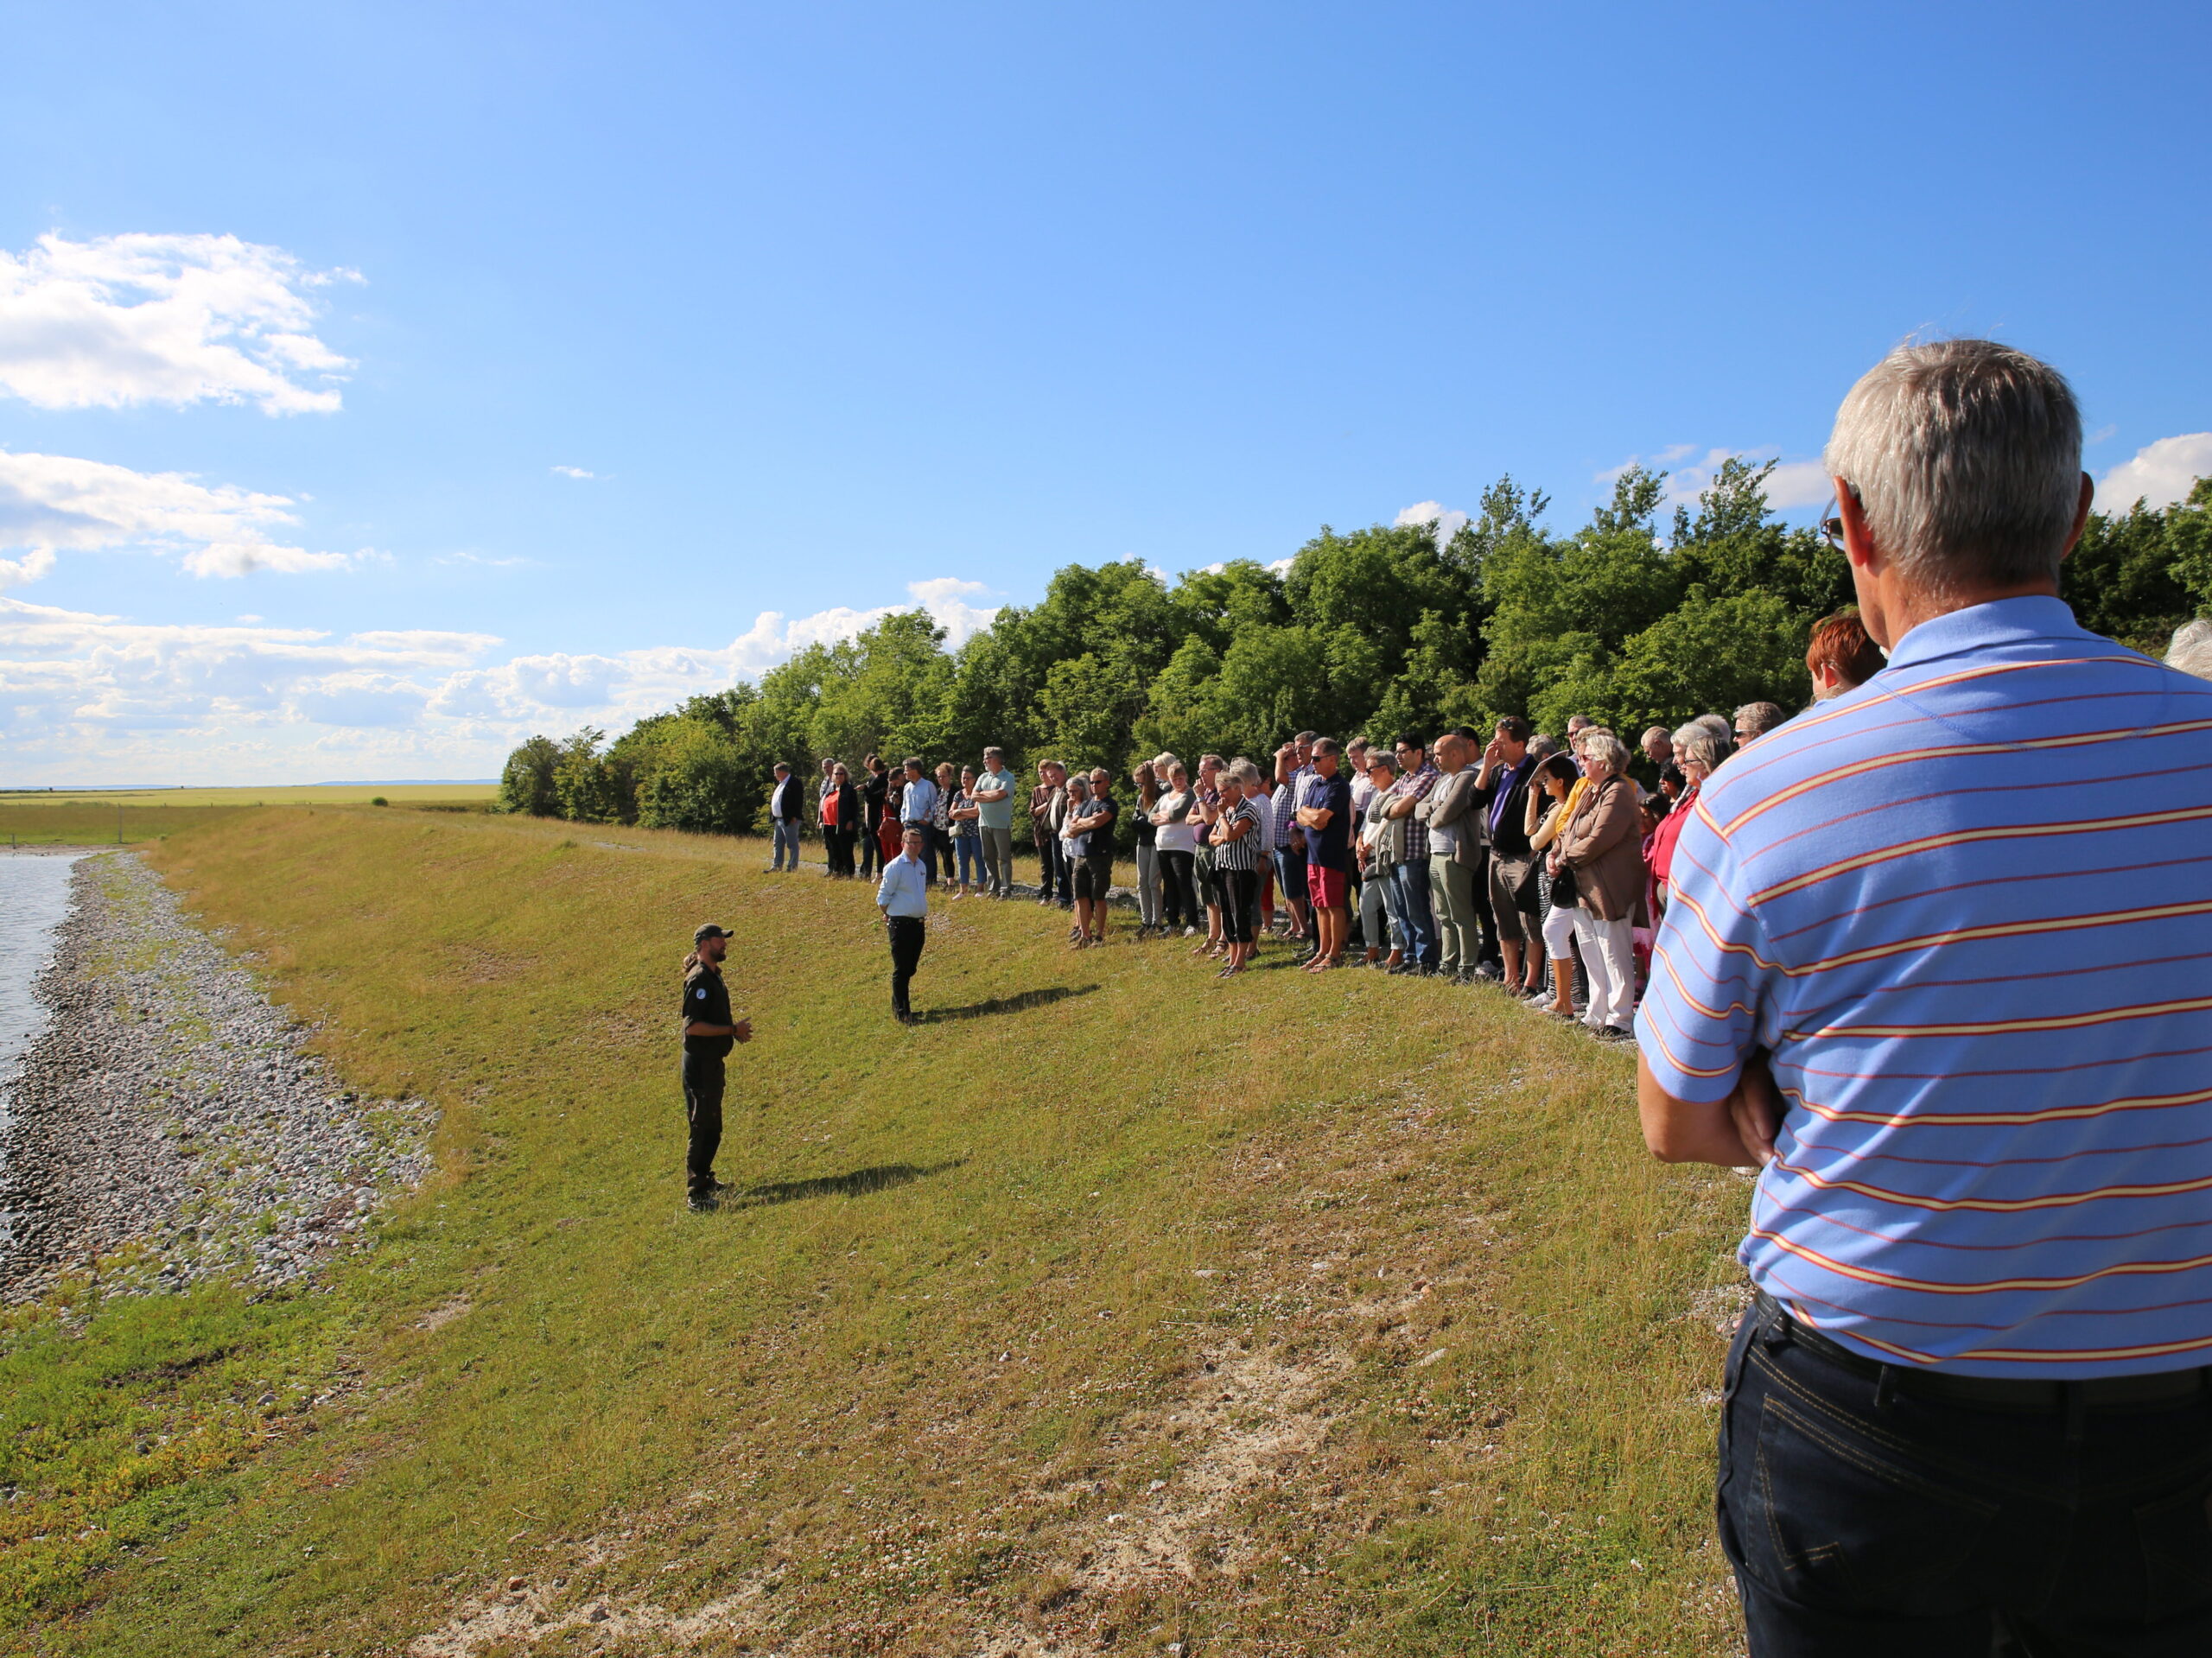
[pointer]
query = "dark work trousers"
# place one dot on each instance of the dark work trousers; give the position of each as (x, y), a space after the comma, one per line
(871, 852)
(1178, 892)
(1055, 881)
(1484, 919)
(905, 957)
(1866, 1519)
(702, 1107)
(837, 844)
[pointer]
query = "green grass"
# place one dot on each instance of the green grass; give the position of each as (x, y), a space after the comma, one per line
(35, 817)
(1372, 1276)
(299, 794)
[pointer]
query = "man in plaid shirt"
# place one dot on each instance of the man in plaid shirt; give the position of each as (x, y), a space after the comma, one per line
(1417, 775)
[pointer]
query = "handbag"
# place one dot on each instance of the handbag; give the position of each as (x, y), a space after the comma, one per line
(1563, 892)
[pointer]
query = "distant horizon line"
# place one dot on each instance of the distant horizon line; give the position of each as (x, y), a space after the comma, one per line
(155, 788)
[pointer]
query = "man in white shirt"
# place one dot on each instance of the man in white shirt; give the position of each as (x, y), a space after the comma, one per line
(916, 807)
(903, 895)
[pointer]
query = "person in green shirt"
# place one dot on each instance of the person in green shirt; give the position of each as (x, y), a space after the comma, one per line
(992, 796)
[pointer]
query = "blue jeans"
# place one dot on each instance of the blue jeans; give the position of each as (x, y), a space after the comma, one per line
(786, 841)
(1394, 911)
(1412, 915)
(970, 850)
(1914, 1526)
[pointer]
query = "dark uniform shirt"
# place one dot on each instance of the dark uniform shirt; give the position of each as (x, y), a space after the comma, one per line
(706, 999)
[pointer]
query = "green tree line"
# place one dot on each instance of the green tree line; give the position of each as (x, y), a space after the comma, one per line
(1376, 631)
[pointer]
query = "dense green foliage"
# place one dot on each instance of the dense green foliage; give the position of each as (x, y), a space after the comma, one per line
(1378, 630)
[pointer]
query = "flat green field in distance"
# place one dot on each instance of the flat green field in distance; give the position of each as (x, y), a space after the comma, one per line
(1111, 1307)
(102, 817)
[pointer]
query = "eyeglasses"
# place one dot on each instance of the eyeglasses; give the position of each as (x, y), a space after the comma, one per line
(1831, 522)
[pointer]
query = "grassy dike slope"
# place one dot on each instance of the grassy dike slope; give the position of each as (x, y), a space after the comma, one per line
(1112, 1308)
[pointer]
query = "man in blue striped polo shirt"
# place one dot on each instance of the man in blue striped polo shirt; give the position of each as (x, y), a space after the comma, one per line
(1938, 958)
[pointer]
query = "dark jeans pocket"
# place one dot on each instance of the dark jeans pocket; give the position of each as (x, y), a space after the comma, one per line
(2175, 1533)
(1835, 1515)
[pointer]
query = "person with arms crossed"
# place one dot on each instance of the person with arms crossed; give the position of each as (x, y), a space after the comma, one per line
(1327, 824)
(993, 797)
(708, 1030)
(1950, 991)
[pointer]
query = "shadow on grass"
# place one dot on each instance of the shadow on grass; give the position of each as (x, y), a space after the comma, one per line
(858, 1184)
(1017, 1003)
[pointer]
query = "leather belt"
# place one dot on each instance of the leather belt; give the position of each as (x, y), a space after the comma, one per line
(2157, 1388)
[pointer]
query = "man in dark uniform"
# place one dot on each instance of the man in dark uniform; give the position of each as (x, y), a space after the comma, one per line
(708, 1031)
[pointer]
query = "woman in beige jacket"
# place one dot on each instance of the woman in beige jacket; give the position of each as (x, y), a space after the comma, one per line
(1603, 844)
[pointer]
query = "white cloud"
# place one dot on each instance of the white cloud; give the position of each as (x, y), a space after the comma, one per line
(1448, 520)
(236, 558)
(87, 697)
(19, 571)
(574, 472)
(52, 502)
(125, 319)
(2160, 474)
(1281, 566)
(946, 599)
(1792, 485)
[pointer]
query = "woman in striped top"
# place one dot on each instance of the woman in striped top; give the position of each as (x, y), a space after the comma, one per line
(1237, 837)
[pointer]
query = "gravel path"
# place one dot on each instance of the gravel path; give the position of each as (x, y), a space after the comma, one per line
(169, 1126)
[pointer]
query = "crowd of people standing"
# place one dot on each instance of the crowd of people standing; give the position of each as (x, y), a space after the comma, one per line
(1534, 863)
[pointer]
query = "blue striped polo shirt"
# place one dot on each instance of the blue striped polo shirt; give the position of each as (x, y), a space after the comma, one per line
(1967, 910)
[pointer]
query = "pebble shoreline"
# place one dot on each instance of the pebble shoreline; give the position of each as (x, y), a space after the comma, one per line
(168, 1125)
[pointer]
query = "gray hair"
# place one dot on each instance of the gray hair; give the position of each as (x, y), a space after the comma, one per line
(1246, 773)
(1604, 746)
(1164, 761)
(1759, 717)
(2191, 649)
(1966, 456)
(1695, 741)
(1718, 724)
(1542, 746)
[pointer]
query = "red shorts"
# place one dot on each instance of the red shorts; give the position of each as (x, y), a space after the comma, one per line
(1324, 887)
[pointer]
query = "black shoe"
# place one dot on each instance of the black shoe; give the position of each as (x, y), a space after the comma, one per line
(1402, 967)
(1488, 970)
(1614, 1033)
(703, 1202)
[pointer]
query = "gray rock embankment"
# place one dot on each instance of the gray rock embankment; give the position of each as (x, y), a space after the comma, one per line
(169, 1125)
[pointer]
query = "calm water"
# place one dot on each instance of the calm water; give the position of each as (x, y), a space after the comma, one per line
(33, 897)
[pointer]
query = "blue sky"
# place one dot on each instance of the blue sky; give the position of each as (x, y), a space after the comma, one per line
(842, 306)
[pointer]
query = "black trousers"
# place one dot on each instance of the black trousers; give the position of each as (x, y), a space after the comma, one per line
(871, 852)
(1240, 904)
(702, 1108)
(1862, 1520)
(837, 849)
(905, 957)
(1178, 895)
(1486, 921)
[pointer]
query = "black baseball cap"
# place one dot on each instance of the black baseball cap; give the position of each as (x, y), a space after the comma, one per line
(710, 931)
